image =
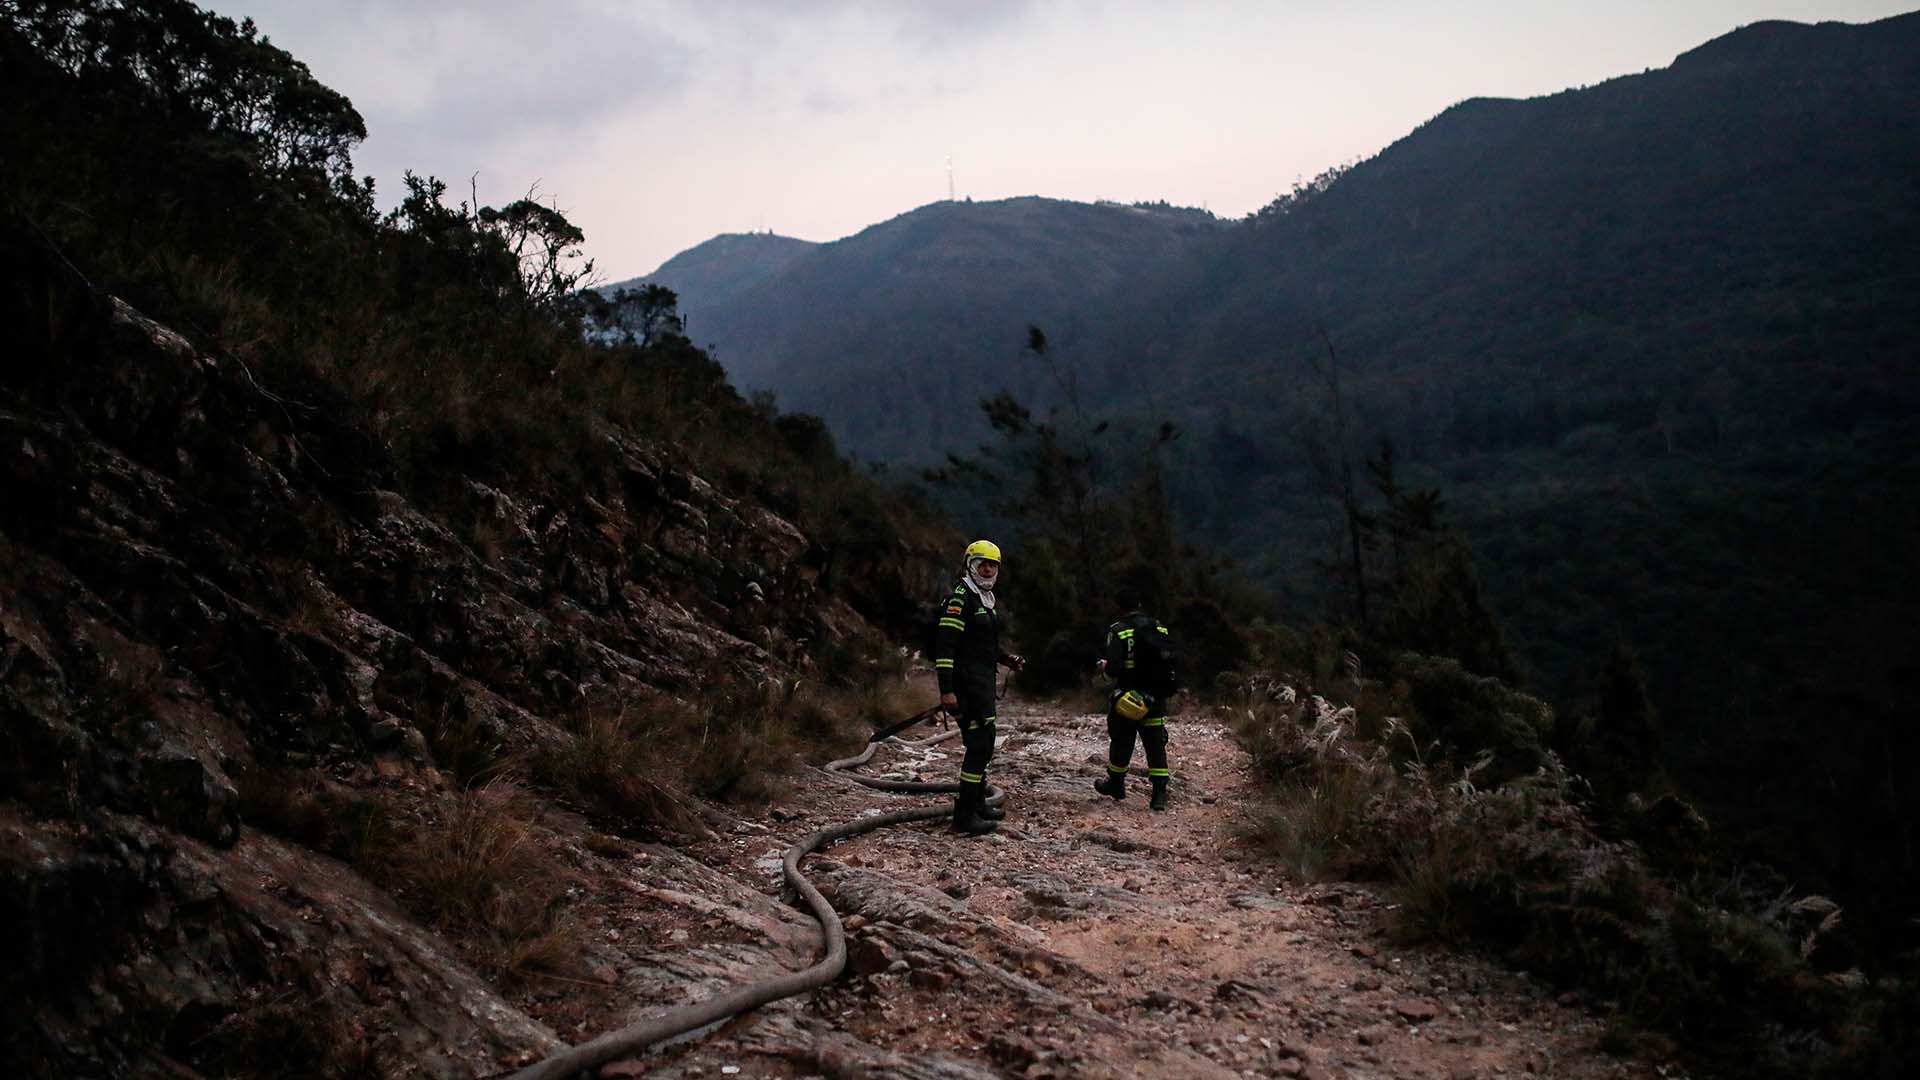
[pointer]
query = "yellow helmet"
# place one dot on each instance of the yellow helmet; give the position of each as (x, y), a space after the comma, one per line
(1132, 705)
(983, 549)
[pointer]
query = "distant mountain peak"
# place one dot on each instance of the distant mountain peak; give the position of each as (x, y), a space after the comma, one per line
(733, 246)
(1780, 41)
(716, 271)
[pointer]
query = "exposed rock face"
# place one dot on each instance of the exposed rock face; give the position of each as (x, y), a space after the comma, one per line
(200, 581)
(147, 946)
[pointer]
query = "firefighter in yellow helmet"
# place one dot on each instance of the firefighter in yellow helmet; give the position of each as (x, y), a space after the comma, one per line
(1141, 660)
(965, 655)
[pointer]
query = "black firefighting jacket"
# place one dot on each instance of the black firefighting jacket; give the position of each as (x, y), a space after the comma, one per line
(967, 645)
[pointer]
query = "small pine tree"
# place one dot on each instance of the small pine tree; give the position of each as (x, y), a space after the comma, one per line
(1433, 603)
(1625, 746)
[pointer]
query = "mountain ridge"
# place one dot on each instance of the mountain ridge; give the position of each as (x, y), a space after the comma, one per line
(787, 346)
(936, 267)
(716, 271)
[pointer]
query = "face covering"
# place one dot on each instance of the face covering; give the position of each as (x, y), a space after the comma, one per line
(982, 589)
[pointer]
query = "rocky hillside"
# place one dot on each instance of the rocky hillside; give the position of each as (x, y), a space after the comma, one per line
(201, 614)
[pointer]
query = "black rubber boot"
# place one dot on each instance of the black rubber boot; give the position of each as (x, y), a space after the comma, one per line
(1113, 787)
(966, 812)
(1159, 800)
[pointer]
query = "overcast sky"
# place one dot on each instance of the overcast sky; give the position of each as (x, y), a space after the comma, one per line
(657, 124)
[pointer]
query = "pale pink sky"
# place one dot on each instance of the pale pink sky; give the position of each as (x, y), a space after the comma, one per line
(657, 124)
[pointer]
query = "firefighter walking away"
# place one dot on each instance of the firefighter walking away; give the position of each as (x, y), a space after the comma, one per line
(1141, 660)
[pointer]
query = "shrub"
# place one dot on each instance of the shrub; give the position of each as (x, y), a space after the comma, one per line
(1521, 868)
(870, 706)
(1323, 782)
(610, 770)
(1470, 714)
(466, 743)
(1504, 864)
(750, 737)
(475, 866)
(1514, 862)
(642, 768)
(312, 1031)
(309, 809)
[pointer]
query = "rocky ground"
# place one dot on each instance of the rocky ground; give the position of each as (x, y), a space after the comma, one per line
(1084, 939)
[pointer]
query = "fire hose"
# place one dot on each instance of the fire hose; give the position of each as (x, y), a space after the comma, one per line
(630, 1040)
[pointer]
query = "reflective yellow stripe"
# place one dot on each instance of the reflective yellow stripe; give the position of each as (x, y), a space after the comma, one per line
(1127, 633)
(1117, 770)
(954, 624)
(1154, 721)
(1159, 772)
(943, 663)
(971, 778)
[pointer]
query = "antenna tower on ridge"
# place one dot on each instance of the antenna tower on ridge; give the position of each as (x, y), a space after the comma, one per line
(949, 177)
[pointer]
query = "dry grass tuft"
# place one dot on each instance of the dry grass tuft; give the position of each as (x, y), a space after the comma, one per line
(313, 811)
(477, 868)
(618, 769)
(1323, 781)
(750, 738)
(645, 767)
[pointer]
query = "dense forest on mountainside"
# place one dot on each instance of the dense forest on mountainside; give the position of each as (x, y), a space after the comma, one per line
(893, 335)
(1652, 343)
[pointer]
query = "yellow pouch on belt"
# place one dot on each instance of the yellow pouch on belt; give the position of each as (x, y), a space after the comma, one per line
(1132, 705)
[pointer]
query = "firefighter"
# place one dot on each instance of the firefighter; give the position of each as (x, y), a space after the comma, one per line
(1141, 660)
(965, 658)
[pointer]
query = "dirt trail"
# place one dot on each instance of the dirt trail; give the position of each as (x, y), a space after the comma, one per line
(1088, 938)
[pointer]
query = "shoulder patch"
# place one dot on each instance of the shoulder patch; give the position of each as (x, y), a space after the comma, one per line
(954, 607)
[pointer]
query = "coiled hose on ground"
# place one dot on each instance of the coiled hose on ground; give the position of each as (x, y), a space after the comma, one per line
(634, 1038)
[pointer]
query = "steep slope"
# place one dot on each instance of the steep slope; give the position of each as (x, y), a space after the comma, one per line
(224, 650)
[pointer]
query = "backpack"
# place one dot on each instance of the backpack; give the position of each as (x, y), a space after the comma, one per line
(1156, 663)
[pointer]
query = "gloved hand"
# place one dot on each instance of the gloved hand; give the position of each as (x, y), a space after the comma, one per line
(1016, 661)
(1101, 667)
